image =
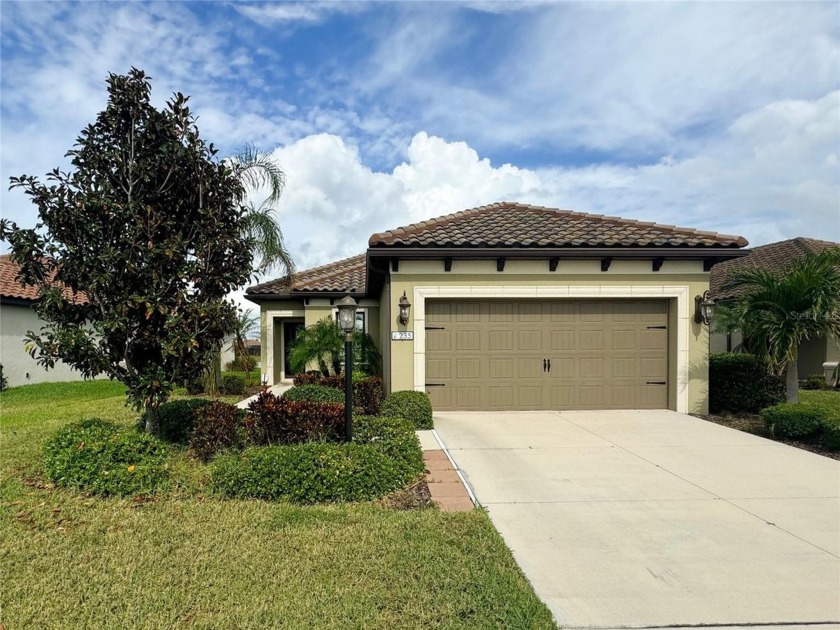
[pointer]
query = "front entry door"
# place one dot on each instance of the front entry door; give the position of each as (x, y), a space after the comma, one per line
(291, 329)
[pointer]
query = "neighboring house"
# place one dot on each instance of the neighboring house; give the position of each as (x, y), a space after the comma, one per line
(520, 307)
(16, 318)
(816, 356)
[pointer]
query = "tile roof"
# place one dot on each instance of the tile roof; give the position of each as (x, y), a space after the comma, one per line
(343, 275)
(771, 257)
(510, 224)
(11, 288)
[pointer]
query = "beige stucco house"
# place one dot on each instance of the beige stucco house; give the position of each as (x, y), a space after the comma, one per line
(17, 317)
(819, 355)
(521, 307)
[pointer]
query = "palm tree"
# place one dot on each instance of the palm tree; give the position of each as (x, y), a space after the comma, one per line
(246, 325)
(778, 311)
(258, 172)
(323, 344)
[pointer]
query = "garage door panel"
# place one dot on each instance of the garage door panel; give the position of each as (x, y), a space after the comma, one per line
(529, 340)
(493, 354)
(500, 339)
(501, 368)
(467, 340)
(468, 368)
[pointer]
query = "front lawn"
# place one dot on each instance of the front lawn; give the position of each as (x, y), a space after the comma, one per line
(754, 423)
(190, 560)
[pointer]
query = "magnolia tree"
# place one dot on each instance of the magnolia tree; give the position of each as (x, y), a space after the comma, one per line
(137, 247)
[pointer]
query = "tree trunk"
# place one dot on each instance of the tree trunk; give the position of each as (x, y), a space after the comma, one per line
(213, 375)
(152, 419)
(792, 381)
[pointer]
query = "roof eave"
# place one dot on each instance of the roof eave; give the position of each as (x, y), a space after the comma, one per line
(686, 253)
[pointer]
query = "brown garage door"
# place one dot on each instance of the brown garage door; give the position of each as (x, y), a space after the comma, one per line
(593, 354)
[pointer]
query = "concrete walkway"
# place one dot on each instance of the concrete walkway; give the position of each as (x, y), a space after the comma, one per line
(653, 518)
(277, 390)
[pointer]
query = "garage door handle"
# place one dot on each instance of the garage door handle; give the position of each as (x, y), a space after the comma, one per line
(657, 327)
(544, 366)
(435, 384)
(549, 366)
(435, 328)
(657, 383)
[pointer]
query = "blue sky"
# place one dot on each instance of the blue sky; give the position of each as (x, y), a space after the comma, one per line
(721, 116)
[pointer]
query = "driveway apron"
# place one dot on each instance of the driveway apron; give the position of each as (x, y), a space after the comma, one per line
(654, 518)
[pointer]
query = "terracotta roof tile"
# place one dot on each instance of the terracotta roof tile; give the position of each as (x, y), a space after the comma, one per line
(11, 288)
(343, 275)
(510, 224)
(771, 257)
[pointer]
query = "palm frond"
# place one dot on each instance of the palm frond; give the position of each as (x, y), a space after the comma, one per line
(269, 244)
(257, 169)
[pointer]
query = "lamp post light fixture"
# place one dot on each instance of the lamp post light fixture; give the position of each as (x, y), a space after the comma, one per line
(704, 308)
(347, 323)
(405, 309)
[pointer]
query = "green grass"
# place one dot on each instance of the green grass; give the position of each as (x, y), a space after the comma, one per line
(187, 560)
(255, 375)
(820, 398)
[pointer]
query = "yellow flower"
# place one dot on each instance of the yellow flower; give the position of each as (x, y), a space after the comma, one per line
(131, 468)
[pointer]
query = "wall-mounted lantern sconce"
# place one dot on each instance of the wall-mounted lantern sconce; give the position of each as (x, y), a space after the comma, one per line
(405, 309)
(704, 308)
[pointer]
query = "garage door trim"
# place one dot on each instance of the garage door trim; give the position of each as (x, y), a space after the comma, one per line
(606, 291)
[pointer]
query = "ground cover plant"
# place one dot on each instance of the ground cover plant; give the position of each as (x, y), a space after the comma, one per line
(185, 558)
(812, 424)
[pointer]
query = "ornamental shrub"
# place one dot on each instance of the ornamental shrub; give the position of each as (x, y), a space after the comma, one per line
(413, 406)
(3, 381)
(741, 383)
(233, 385)
(307, 378)
(333, 381)
(97, 457)
(814, 381)
(793, 420)
(217, 427)
(314, 393)
(194, 386)
(176, 419)
(368, 393)
(384, 457)
(831, 432)
(273, 420)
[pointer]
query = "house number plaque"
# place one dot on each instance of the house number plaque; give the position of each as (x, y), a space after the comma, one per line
(402, 335)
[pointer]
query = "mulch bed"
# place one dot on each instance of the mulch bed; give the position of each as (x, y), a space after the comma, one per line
(753, 423)
(414, 497)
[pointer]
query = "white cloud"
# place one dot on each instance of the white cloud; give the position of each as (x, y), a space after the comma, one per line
(296, 12)
(772, 175)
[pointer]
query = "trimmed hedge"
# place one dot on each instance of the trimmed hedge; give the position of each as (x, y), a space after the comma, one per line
(314, 393)
(831, 432)
(384, 457)
(273, 420)
(368, 391)
(410, 405)
(95, 456)
(217, 427)
(176, 419)
(793, 420)
(741, 383)
(233, 385)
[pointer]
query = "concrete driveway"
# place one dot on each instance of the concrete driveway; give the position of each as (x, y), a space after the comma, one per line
(654, 518)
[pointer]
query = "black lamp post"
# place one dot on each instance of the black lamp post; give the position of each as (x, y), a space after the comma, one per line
(347, 322)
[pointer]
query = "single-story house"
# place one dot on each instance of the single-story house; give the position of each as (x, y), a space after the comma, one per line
(816, 356)
(514, 306)
(17, 316)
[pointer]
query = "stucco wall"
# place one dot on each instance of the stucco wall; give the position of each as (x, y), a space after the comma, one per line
(15, 320)
(521, 276)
